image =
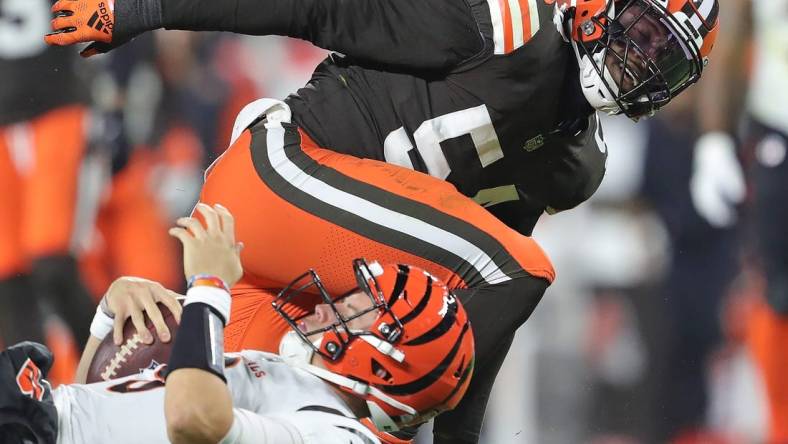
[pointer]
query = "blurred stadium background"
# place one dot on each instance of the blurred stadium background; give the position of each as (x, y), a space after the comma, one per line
(649, 335)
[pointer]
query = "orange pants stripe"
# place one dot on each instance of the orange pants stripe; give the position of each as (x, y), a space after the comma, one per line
(280, 191)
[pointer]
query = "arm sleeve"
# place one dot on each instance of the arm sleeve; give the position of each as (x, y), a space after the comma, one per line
(425, 34)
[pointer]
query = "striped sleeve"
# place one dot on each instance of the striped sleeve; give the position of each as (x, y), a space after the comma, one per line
(514, 22)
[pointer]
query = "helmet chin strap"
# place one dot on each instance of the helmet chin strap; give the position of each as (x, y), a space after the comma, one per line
(380, 418)
(295, 352)
(293, 349)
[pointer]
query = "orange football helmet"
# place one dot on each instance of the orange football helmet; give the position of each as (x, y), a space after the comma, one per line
(414, 362)
(636, 55)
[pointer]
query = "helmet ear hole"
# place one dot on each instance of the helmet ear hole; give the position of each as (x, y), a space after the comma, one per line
(381, 372)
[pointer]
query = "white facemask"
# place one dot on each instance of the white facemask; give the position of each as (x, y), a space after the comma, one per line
(596, 93)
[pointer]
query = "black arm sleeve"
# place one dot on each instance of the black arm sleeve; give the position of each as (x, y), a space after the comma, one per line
(426, 34)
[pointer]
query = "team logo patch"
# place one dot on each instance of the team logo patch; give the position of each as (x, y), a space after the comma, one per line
(29, 380)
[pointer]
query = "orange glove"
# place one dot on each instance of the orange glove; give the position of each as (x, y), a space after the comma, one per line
(81, 21)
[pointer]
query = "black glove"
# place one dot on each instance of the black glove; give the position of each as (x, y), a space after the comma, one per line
(27, 411)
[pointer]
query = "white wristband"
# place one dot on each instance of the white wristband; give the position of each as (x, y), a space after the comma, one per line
(102, 324)
(213, 296)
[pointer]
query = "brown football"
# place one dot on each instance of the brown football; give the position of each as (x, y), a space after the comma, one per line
(132, 356)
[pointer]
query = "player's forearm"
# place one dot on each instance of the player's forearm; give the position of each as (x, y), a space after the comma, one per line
(100, 327)
(435, 34)
(197, 403)
(87, 356)
(198, 407)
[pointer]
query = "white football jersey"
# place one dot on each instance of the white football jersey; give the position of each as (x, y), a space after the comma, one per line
(768, 95)
(273, 403)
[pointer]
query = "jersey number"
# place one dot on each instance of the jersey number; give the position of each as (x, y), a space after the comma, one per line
(475, 122)
(23, 24)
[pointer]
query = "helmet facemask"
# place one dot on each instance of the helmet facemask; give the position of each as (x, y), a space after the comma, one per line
(634, 57)
(306, 285)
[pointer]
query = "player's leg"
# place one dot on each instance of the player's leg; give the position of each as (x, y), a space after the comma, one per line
(19, 315)
(464, 423)
(303, 206)
(253, 324)
(298, 206)
(493, 331)
(279, 224)
(49, 212)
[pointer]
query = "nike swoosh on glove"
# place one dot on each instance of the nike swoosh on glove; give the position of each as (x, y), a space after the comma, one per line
(27, 410)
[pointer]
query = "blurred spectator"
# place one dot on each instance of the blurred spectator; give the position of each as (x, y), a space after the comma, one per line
(43, 122)
(703, 263)
(718, 183)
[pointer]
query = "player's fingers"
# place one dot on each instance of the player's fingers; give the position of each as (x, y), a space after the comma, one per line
(181, 234)
(193, 225)
(63, 5)
(117, 329)
(62, 37)
(62, 22)
(228, 222)
(62, 13)
(211, 218)
(138, 319)
(170, 299)
(154, 313)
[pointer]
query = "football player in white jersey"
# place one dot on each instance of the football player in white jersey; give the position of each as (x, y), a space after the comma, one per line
(718, 183)
(397, 349)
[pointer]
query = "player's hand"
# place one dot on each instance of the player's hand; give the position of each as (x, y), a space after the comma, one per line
(717, 184)
(84, 21)
(132, 297)
(28, 411)
(210, 248)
